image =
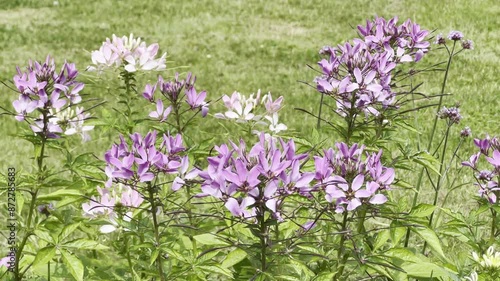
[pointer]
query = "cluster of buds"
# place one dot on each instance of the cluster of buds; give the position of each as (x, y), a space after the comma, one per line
(244, 109)
(52, 95)
(488, 179)
(358, 75)
(131, 53)
(113, 204)
(452, 114)
(455, 36)
(172, 92)
(349, 180)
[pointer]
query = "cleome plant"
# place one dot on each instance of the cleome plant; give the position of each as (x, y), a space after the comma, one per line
(161, 197)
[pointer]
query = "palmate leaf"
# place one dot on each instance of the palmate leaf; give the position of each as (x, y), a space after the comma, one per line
(215, 269)
(234, 257)
(427, 160)
(422, 210)
(73, 264)
(431, 238)
(209, 239)
(44, 255)
(67, 230)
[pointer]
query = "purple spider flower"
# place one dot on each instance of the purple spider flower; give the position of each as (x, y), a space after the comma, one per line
(44, 90)
(160, 112)
(197, 100)
(455, 35)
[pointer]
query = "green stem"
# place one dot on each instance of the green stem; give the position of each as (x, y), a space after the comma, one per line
(342, 255)
(190, 217)
(493, 226)
(39, 160)
(440, 177)
(263, 242)
(129, 260)
(159, 260)
(319, 113)
(429, 145)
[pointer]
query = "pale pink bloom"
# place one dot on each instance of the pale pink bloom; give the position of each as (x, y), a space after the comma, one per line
(275, 126)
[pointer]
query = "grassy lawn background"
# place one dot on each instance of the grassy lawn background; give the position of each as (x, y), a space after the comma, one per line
(246, 46)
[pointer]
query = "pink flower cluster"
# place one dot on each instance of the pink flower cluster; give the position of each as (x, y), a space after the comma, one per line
(144, 160)
(110, 205)
(348, 180)
(263, 177)
(358, 75)
(130, 52)
(172, 91)
(51, 94)
(255, 180)
(488, 180)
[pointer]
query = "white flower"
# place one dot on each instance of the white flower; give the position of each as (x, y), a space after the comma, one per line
(490, 260)
(240, 108)
(473, 277)
(77, 126)
(275, 126)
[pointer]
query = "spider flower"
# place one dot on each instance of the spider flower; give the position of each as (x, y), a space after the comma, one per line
(131, 53)
(49, 93)
(249, 181)
(486, 179)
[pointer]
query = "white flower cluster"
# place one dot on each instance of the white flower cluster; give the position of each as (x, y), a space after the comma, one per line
(69, 120)
(242, 109)
(131, 52)
(489, 260)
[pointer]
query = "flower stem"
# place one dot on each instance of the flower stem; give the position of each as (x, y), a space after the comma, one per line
(319, 113)
(341, 253)
(493, 226)
(129, 260)
(159, 261)
(263, 242)
(429, 145)
(39, 160)
(178, 124)
(440, 177)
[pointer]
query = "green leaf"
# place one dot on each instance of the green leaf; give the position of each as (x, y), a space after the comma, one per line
(324, 276)
(44, 235)
(44, 255)
(403, 254)
(309, 249)
(67, 230)
(85, 244)
(286, 277)
(397, 232)
(73, 264)
(215, 269)
(425, 270)
(431, 238)
(422, 210)
(154, 256)
(381, 239)
(209, 239)
(427, 160)
(301, 267)
(60, 194)
(233, 258)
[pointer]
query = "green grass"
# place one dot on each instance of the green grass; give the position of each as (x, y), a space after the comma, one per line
(246, 46)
